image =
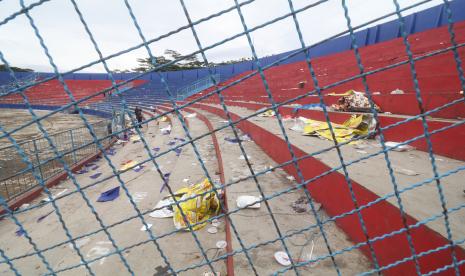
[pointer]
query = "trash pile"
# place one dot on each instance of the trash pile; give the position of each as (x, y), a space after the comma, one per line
(200, 204)
(357, 125)
(352, 101)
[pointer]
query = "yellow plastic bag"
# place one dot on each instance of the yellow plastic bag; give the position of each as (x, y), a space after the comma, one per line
(198, 209)
(127, 165)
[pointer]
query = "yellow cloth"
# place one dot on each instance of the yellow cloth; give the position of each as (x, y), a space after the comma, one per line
(355, 126)
(198, 209)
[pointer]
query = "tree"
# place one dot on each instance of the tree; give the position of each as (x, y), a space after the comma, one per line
(184, 62)
(15, 69)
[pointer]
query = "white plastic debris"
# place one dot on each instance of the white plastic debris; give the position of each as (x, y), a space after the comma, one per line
(166, 129)
(399, 148)
(282, 258)
(54, 196)
(362, 152)
(191, 115)
(24, 206)
(163, 211)
(405, 171)
(221, 244)
(290, 178)
(243, 158)
(244, 200)
(212, 230)
(397, 92)
(216, 222)
(185, 180)
(146, 228)
(79, 243)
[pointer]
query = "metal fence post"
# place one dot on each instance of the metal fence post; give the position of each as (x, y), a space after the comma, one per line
(72, 145)
(36, 153)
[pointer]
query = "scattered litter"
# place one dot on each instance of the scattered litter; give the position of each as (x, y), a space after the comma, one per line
(166, 179)
(315, 106)
(353, 101)
(362, 152)
(95, 176)
(243, 158)
(164, 209)
(79, 243)
(135, 138)
(287, 118)
(166, 130)
(178, 151)
(127, 164)
(88, 165)
(302, 205)
(94, 167)
(245, 138)
(54, 196)
(232, 140)
(282, 258)
(190, 115)
(398, 146)
(357, 125)
(109, 195)
(290, 178)
(209, 273)
(221, 244)
(198, 209)
(268, 113)
(216, 222)
(20, 232)
(301, 84)
(44, 216)
(170, 143)
(245, 200)
(156, 149)
(163, 119)
(83, 171)
(185, 180)
(146, 228)
(138, 168)
(397, 92)
(405, 171)
(212, 230)
(111, 152)
(24, 206)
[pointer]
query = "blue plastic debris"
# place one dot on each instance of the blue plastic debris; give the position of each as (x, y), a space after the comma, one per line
(94, 176)
(44, 216)
(94, 167)
(109, 195)
(232, 140)
(156, 149)
(166, 178)
(171, 143)
(83, 171)
(20, 232)
(178, 151)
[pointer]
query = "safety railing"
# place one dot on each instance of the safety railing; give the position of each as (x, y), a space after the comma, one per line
(17, 178)
(197, 86)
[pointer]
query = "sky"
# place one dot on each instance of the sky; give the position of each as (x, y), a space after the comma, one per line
(114, 31)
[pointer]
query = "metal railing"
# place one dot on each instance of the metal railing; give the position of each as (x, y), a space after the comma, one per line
(197, 86)
(16, 177)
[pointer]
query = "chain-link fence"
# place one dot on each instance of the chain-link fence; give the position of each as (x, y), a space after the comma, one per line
(387, 226)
